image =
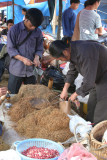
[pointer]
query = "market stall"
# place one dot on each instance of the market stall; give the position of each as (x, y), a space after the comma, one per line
(37, 117)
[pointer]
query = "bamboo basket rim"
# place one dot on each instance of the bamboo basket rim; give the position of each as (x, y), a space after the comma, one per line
(94, 129)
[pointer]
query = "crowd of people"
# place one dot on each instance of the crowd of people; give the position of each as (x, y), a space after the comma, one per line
(88, 57)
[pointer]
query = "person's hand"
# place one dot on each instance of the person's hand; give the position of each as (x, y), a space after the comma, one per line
(3, 91)
(64, 95)
(36, 61)
(47, 59)
(74, 99)
(27, 61)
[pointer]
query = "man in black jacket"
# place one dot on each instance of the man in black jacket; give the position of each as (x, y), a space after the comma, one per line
(90, 59)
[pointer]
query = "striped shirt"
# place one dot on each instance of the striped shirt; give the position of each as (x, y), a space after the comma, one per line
(89, 21)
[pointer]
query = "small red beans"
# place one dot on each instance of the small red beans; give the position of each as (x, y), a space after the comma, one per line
(40, 153)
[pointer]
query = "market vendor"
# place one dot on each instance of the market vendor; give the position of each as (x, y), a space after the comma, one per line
(25, 47)
(90, 59)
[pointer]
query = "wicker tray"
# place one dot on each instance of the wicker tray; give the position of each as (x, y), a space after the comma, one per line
(98, 148)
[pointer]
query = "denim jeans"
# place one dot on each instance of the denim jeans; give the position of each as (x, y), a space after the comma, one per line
(15, 82)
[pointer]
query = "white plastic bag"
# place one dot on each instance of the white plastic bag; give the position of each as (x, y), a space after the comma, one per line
(83, 129)
(78, 82)
(9, 155)
(104, 140)
(66, 68)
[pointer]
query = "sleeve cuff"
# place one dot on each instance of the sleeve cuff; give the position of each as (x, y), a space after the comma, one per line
(13, 55)
(39, 54)
(80, 93)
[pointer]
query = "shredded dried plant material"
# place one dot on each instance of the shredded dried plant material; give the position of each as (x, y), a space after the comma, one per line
(20, 109)
(49, 123)
(38, 91)
(36, 117)
(57, 120)
(3, 145)
(30, 98)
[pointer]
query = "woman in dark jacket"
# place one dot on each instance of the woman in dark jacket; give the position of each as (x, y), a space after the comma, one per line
(89, 58)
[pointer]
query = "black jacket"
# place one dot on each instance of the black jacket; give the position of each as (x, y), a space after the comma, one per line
(89, 58)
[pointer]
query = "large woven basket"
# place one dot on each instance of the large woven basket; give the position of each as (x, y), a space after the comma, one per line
(98, 148)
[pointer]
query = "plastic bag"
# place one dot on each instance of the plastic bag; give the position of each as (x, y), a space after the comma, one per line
(66, 68)
(77, 83)
(56, 75)
(9, 155)
(58, 79)
(83, 129)
(76, 152)
(104, 140)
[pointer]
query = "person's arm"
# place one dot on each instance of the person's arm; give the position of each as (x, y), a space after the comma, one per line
(72, 21)
(3, 51)
(39, 50)
(25, 60)
(89, 68)
(11, 43)
(64, 93)
(76, 34)
(12, 50)
(71, 74)
(70, 78)
(99, 31)
(98, 26)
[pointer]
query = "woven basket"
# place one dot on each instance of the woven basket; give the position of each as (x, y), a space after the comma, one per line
(98, 148)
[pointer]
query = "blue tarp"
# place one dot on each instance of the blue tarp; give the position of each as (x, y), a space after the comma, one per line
(43, 6)
(19, 2)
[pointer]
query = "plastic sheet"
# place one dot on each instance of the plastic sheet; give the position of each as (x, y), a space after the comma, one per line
(9, 135)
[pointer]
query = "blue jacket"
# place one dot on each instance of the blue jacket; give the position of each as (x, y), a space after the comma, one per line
(68, 22)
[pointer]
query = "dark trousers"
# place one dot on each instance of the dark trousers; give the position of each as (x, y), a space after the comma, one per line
(15, 82)
(4, 64)
(2, 67)
(97, 105)
(92, 101)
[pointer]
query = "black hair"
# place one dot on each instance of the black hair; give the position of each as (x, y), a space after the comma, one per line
(90, 2)
(74, 1)
(9, 21)
(35, 16)
(86, 4)
(57, 47)
(24, 9)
